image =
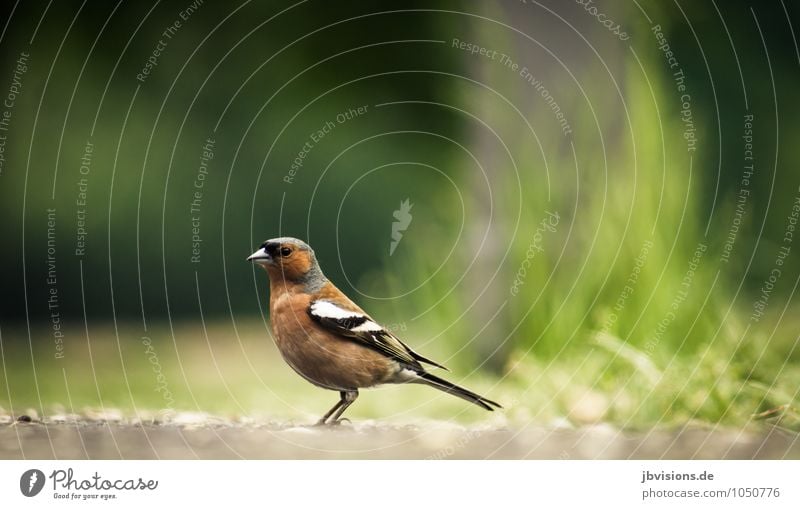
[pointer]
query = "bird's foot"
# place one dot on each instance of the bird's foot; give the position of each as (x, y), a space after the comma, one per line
(337, 422)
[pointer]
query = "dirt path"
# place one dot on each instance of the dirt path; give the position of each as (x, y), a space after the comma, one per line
(81, 439)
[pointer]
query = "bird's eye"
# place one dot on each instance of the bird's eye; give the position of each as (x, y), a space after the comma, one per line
(285, 251)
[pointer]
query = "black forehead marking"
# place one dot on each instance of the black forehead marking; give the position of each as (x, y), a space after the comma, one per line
(271, 247)
(290, 242)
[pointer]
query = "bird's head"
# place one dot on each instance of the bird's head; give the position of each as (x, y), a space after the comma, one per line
(288, 259)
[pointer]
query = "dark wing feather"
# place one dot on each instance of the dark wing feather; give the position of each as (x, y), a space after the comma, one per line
(360, 327)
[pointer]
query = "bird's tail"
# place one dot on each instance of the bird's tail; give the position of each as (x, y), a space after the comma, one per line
(451, 388)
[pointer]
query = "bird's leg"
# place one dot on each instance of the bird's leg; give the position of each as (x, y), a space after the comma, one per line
(335, 408)
(348, 397)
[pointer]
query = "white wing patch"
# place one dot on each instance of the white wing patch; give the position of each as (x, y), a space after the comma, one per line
(368, 326)
(350, 320)
(325, 309)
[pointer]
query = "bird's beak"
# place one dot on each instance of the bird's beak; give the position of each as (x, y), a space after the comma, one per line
(260, 257)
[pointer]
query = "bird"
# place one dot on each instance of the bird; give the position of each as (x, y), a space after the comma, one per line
(329, 340)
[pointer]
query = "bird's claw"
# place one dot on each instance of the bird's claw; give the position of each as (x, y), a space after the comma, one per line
(337, 422)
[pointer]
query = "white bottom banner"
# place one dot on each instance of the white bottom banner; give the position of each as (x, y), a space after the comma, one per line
(401, 484)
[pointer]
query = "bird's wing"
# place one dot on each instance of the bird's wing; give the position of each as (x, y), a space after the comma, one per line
(360, 327)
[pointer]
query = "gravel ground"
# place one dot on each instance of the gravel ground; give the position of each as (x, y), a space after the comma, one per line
(196, 435)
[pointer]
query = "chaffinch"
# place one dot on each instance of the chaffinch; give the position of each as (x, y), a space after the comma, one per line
(330, 341)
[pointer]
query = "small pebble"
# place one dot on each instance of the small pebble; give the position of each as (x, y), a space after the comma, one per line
(24, 418)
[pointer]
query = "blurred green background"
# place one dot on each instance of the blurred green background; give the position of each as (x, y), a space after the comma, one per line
(575, 249)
